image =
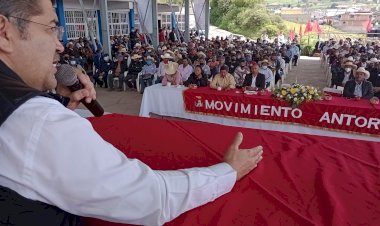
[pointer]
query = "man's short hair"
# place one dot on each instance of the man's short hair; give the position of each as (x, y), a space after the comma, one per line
(24, 9)
(224, 68)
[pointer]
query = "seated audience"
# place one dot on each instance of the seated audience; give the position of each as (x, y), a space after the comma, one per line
(161, 67)
(147, 73)
(254, 80)
(102, 73)
(359, 87)
(347, 74)
(172, 75)
(118, 71)
(267, 72)
(134, 69)
(185, 69)
(240, 72)
(197, 78)
(224, 80)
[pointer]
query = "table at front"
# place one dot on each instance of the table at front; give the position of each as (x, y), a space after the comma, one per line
(169, 101)
(303, 180)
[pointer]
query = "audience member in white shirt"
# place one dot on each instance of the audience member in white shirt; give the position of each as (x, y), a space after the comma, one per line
(185, 69)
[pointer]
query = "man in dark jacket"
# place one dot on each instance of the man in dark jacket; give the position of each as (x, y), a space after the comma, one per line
(197, 78)
(119, 67)
(134, 69)
(359, 87)
(254, 80)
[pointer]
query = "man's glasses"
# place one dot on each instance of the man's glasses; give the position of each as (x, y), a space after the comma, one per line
(58, 31)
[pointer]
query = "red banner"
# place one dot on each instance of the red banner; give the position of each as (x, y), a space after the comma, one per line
(338, 114)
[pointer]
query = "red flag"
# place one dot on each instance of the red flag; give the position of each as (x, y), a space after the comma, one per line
(292, 34)
(369, 25)
(300, 31)
(316, 27)
(309, 27)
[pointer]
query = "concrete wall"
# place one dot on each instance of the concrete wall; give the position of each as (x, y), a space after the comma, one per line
(297, 18)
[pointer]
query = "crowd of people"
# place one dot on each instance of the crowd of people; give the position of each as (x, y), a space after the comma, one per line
(220, 61)
(355, 65)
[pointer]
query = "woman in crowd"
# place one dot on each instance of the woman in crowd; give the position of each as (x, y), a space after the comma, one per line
(197, 78)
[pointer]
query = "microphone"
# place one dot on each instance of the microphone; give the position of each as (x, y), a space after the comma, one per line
(66, 75)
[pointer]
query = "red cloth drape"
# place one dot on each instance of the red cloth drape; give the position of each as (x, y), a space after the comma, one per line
(303, 179)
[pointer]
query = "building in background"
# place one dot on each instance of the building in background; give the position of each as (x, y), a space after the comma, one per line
(355, 22)
(297, 15)
(122, 16)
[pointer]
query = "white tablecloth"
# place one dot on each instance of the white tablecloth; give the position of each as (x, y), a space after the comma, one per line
(168, 101)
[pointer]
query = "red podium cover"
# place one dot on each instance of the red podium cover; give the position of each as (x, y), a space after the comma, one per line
(341, 114)
(303, 180)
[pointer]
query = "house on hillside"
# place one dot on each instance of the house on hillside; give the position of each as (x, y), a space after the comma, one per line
(297, 15)
(354, 22)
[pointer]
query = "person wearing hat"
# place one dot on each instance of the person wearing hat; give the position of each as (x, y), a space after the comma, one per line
(119, 67)
(147, 73)
(172, 76)
(134, 69)
(359, 87)
(161, 67)
(344, 75)
(265, 70)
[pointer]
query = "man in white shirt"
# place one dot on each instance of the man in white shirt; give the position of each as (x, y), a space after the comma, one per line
(51, 157)
(185, 69)
(161, 67)
(265, 70)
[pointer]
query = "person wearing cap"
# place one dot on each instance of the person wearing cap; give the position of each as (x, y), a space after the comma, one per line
(119, 67)
(345, 75)
(359, 87)
(147, 73)
(172, 75)
(267, 72)
(224, 80)
(161, 67)
(134, 69)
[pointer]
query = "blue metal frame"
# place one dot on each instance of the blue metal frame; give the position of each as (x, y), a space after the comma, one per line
(100, 26)
(131, 15)
(60, 10)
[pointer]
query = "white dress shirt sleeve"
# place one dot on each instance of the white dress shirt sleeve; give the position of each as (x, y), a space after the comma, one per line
(58, 158)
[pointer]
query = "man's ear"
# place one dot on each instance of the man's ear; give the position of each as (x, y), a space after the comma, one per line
(6, 35)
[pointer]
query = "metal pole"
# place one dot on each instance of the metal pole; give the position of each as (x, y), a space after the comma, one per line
(105, 28)
(89, 28)
(207, 18)
(155, 24)
(187, 20)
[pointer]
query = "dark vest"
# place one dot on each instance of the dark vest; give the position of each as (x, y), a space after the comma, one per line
(14, 209)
